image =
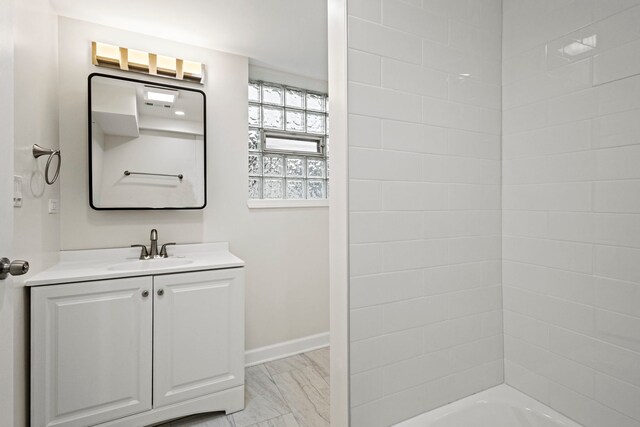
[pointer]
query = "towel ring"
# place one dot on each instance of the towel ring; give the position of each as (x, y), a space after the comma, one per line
(39, 151)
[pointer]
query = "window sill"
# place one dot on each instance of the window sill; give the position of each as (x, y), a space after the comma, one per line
(273, 204)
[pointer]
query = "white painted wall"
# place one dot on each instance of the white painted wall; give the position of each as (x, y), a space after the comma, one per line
(35, 103)
(290, 34)
(264, 73)
(571, 204)
(286, 250)
(424, 193)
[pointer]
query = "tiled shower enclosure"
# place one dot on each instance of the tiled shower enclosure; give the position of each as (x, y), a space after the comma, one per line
(494, 187)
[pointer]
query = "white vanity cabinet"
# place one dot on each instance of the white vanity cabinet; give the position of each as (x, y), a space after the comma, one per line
(91, 351)
(136, 351)
(198, 334)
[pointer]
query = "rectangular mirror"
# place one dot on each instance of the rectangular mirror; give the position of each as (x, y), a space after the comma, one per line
(147, 145)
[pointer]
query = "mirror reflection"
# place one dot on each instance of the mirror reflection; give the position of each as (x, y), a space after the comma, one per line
(147, 148)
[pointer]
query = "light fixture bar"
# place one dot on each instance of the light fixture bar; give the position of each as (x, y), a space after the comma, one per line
(137, 61)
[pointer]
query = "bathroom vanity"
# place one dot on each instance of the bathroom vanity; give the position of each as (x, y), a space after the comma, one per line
(118, 341)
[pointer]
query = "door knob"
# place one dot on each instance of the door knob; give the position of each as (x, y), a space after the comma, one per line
(14, 268)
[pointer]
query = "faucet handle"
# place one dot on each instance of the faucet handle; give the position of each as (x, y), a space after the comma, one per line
(144, 254)
(163, 250)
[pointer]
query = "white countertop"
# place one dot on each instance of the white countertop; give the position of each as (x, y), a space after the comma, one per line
(98, 264)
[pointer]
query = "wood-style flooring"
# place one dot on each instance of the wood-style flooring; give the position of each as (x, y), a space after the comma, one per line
(290, 392)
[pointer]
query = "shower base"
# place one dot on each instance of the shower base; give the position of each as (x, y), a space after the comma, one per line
(500, 406)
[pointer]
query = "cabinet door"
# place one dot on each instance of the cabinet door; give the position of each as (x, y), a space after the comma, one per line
(91, 349)
(198, 334)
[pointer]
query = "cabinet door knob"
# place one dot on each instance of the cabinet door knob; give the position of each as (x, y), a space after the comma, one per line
(160, 292)
(145, 294)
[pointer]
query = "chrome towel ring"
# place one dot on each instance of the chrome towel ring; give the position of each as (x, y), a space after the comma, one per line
(39, 151)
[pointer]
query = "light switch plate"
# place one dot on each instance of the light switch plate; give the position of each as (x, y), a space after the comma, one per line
(17, 191)
(53, 206)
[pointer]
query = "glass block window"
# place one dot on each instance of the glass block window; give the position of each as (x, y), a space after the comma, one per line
(288, 142)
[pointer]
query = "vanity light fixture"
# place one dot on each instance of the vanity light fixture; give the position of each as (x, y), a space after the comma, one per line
(138, 60)
(107, 55)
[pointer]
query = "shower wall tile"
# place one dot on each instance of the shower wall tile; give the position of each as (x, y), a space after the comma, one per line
(618, 96)
(618, 329)
(370, 10)
(483, 14)
(617, 63)
(616, 130)
(527, 381)
(475, 92)
(474, 144)
(412, 137)
(384, 41)
(384, 165)
(366, 259)
(364, 67)
(385, 288)
(567, 197)
(454, 115)
(575, 106)
(571, 206)
(616, 196)
(550, 281)
(366, 386)
(366, 322)
(365, 196)
(365, 132)
(617, 262)
(529, 24)
(384, 103)
(475, 41)
(618, 163)
(525, 223)
(476, 197)
(415, 20)
(567, 138)
(412, 78)
(617, 229)
(524, 65)
(618, 395)
(586, 411)
(425, 197)
(457, 62)
(567, 79)
(611, 360)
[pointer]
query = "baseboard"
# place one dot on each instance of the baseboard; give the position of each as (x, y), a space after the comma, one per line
(285, 349)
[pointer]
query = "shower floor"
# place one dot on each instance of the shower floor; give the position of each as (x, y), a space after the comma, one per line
(500, 406)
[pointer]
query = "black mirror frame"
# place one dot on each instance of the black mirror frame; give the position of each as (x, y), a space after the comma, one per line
(89, 139)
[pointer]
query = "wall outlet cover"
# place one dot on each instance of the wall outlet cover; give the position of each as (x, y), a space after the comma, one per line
(17, 191)
(53, 206)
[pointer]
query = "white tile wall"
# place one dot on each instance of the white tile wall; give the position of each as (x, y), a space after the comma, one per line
(571, 200)
(424, 136)
(432, 258)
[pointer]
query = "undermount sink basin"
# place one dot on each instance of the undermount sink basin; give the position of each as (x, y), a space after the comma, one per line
(150, 264)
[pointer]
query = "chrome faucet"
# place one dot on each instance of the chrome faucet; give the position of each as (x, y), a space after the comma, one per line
(153, 252)
(153, 248)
